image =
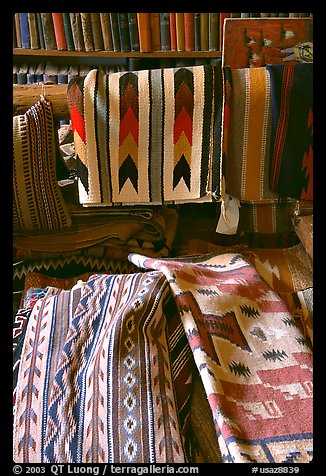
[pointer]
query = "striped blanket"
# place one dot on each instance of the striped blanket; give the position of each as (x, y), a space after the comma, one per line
(291, 171)
(150, 136)
(37, 199)
(106, 368)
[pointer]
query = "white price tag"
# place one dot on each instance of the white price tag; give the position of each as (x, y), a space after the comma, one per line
(229, 218)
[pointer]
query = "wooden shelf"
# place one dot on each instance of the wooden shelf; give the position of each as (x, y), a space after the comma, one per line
(25, 95)
(116, 54)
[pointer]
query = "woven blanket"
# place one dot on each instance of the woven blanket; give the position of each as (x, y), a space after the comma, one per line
(96, 381)
(272, 217)
(148, 136)
(249, 134)
(105, 373)
(291, 171)
(253, 361)
(37, 198)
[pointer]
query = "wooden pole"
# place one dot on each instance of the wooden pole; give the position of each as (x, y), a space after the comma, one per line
(25, 95)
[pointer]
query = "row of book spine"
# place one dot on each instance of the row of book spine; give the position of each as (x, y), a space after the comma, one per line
(126, 32)
(49, 72)
(119, 32)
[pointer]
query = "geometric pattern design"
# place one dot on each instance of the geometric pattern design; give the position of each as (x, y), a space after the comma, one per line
(106, 368)
(100, 385)
(37, 198)
(149, 136)
(259, 384)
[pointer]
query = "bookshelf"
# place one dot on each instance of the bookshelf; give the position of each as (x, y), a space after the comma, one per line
(115, 54)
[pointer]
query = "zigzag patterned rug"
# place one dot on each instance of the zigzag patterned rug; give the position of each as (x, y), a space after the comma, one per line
(150, 136)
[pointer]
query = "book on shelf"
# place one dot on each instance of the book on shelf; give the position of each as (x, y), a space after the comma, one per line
(59, 31)
(77, 32)
(134, 64)
(204, 29)
(84, 69)
(223, 16)
(253, 15)
(33, 35)
(165, 31)
(213, 33)
(68, 32)
(274, 15)
(50, 73)
(123, 26)
(294, 15)
(180, 31)
(173, 32)
(96, 31)
(133, 31)
(87, 31)
(17, 29)
(283, 15)
(73, 71)
(235, 15)
(115, 31)
(197, 31)
(144, 31)
(31, 74)
(244, 15)
(106, 31)
(40, 68)
(265, 15)
(22, 74)
(189, 31)
(24, 30)
(48, 31)
(63, 74)
(40, 31)
(155, 31)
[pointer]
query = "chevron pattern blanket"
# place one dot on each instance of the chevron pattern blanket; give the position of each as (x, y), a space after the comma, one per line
(149, 136)
(106, 368)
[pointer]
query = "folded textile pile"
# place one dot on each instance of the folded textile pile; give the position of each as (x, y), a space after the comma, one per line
(105, 368)
(149, 136)
(112, 235)
(96, 242)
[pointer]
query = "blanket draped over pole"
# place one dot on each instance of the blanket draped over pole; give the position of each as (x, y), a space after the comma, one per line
(149, 136)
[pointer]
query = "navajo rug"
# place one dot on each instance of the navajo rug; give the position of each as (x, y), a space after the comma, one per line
(37, 199)
(253, 361)
(249, 134)
(105, 375)
(95, 380)
(148, 136)
(291, 172)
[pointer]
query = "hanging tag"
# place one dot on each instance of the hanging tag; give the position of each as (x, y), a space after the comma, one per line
(229, 217)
